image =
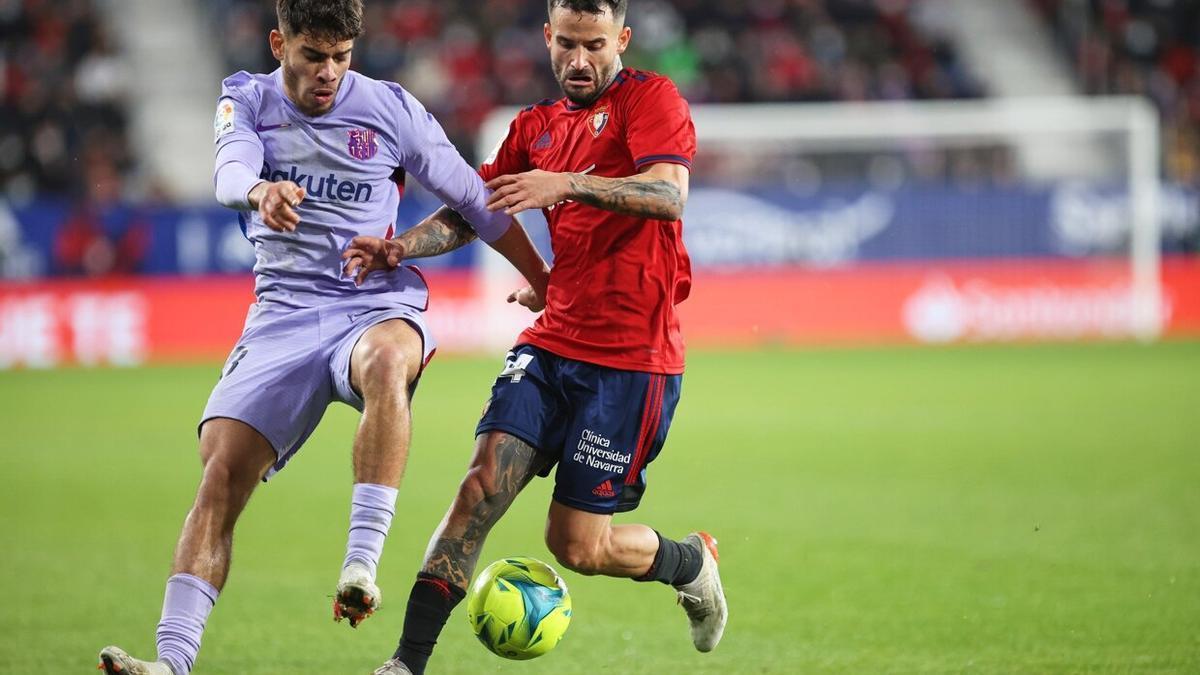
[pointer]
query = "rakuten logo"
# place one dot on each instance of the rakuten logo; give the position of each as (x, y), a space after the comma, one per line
(320, 187)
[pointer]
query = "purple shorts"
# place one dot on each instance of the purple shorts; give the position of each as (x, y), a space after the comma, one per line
(290, 364)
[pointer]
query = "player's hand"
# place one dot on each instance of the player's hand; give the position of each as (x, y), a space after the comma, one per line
(527, 297)
(367, 254)
(277, 204)
(535, 189)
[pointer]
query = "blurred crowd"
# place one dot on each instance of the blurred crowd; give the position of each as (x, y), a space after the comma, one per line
(462, 58)
(64, 90)
(63, 112)
(1146, 47)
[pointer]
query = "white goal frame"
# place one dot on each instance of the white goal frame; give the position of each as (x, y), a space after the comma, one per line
(1009, 120)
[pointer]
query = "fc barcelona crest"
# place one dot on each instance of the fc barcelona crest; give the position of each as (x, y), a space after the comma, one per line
(363, 144)
(599, 120)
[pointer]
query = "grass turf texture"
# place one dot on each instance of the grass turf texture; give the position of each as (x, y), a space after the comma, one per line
(984, 509)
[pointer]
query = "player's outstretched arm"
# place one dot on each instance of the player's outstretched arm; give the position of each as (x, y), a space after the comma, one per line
(659, 191)
(446, 230)
(441, 232)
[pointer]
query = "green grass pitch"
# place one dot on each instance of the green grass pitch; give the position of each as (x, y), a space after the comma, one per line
(1028, 509)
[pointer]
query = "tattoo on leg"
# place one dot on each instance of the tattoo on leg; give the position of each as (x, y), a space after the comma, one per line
(454, 558)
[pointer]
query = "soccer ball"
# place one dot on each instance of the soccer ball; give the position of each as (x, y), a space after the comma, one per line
(519, 608)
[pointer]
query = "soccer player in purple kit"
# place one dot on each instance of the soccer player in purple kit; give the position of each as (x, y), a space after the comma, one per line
(311, 156)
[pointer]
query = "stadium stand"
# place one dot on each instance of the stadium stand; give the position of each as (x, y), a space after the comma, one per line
(462, 58)
(63, 122)
(64, 117)
(1145, 47)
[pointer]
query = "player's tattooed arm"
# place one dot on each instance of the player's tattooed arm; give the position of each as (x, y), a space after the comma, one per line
(442, 232)
(497, 475)
(639, 196)
(659, 191)
(446, 230)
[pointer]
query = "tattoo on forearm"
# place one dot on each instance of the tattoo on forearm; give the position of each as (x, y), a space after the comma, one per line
(631, 196)
(440, 233)
(454, 555)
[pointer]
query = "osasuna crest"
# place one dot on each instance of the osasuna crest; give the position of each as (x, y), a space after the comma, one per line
(363, 144)
(599, 120)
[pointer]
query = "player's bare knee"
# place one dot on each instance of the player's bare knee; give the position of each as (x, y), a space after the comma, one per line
(227, 480)
(387, 368)
(234, 453)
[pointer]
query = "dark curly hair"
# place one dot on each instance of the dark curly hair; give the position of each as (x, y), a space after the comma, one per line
(333, 20)
(618, 7)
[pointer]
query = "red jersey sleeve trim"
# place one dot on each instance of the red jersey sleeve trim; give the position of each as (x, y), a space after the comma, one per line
(670, 159)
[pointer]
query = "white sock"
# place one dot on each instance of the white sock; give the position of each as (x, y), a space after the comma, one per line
(371, 511)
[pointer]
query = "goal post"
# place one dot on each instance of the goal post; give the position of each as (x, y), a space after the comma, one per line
(1051, 140)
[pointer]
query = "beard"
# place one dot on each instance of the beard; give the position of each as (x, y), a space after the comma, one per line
(586, 96)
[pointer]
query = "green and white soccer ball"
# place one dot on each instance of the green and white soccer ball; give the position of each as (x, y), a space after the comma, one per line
(519, 608)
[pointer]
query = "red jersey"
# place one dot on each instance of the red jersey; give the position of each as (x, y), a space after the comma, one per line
(616, 279)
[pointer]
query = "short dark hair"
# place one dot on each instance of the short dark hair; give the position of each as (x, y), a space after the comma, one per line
(618, 7)
(333, 20)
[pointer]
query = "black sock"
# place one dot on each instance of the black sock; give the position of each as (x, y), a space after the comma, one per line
(675, 563)
(429, 605)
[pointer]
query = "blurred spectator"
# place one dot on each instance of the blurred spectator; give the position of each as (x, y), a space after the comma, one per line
(1144, 47)
(62, 118)
(461, 58)
(84, 245)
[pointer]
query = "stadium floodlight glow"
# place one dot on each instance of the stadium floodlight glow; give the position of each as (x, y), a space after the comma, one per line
(1013, 121)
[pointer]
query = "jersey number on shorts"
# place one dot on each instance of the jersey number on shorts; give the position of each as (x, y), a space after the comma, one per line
(234, 360)
(514, 366)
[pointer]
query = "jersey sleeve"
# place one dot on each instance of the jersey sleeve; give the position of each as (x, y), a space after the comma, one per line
(511, 155)
(239, 151)
(659, 127)
(427, 155)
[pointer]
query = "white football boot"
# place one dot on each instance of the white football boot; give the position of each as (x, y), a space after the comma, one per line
(703, 598)
(392, 667)
(357, 595)
(114, 661)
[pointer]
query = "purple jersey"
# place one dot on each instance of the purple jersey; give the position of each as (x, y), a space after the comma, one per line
(351, 162)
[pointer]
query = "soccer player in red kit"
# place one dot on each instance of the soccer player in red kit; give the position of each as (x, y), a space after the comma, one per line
(592, 386)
